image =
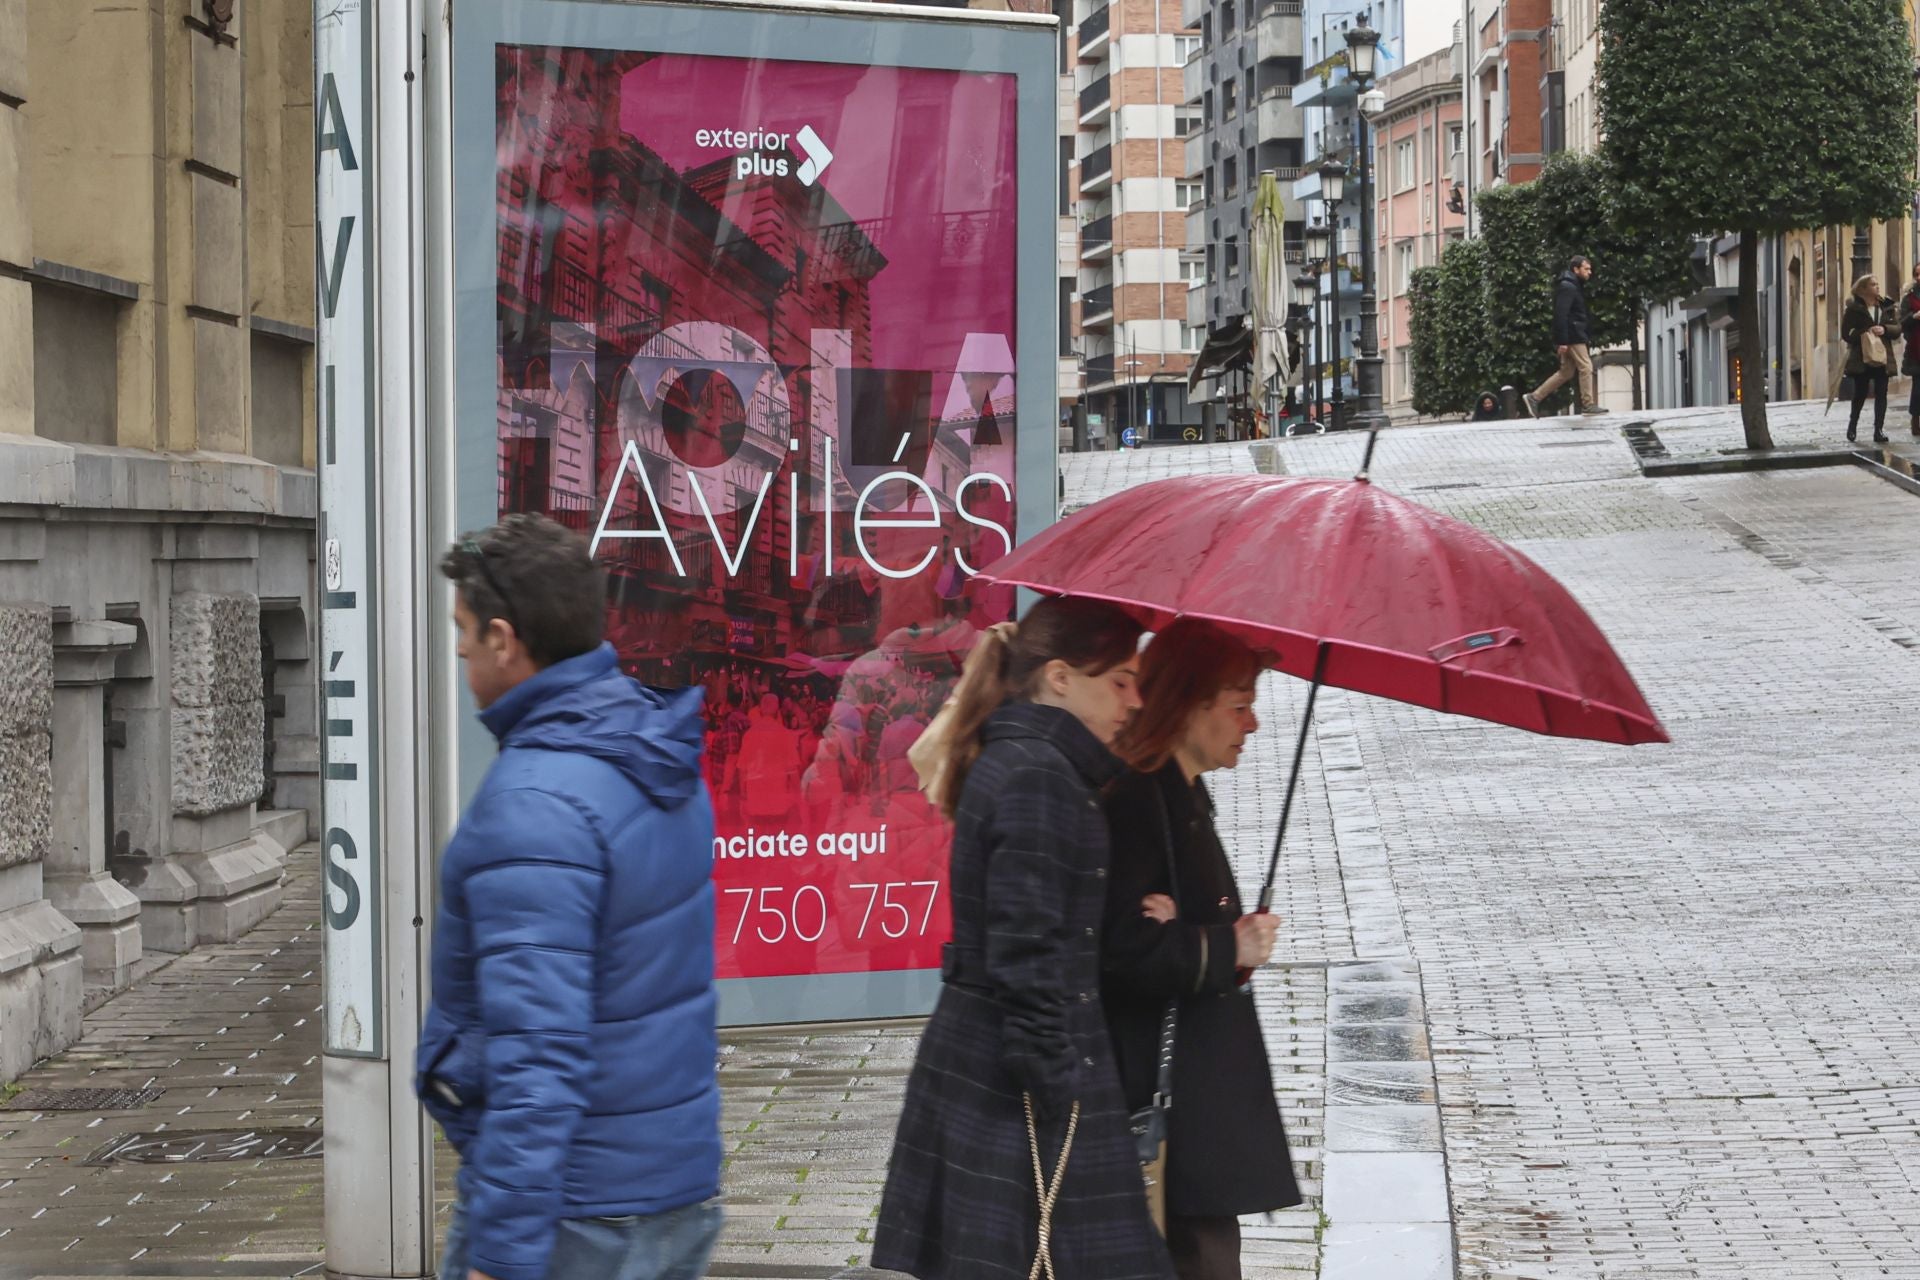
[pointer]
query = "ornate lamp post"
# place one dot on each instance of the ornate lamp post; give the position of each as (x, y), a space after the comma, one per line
(1306, 310)
(1363, 51)
(1333, 190)
(1317, 235)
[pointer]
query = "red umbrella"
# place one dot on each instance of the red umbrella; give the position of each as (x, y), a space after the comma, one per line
(1348, 585)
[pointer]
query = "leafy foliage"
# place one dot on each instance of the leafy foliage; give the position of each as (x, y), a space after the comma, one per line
(1758, 117)
(1449, 331)
(1501, 322)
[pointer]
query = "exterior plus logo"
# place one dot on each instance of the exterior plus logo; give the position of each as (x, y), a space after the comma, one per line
(766, 152)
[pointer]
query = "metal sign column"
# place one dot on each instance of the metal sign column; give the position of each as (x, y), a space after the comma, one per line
(368, 167)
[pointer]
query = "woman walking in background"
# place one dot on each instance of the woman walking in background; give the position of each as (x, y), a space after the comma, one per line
(1868, 328)
(1013, 1141)
(1910, 358)
(1175, 932)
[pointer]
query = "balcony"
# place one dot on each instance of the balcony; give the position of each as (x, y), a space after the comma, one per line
(1100, 370)
(1096, 97)
(1093, 34)
(1196, 161)
(1193, 77)
(1096, 308)
(1280, 33)
(1096, 237)
(1196, 240)
(1096, 169)
(1279, 118)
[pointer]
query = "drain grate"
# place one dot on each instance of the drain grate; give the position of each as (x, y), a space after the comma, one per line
(83, 1099)
(209, 1146)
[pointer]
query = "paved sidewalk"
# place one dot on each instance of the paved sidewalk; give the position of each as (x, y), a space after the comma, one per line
(1625, 1013)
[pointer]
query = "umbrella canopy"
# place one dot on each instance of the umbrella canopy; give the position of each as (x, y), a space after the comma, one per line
(1272, 360)
(1350, 586)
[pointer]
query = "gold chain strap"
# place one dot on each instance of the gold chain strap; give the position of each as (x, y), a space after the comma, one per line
(1048, 1191)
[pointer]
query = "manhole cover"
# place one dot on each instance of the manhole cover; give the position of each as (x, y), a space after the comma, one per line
(209, 1146)
(83, 1099)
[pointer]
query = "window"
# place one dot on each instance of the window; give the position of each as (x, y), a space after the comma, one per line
(1186, 121)
(1403, 276)
(1206, 185)
(1210, 261)
(1184, 48)
(1405, 166)
(1193, 271)
(1230, 99)
(1253, 90)
(1191, 336)
(76, 360)
(1233, 255)
(1186, 193)
(1230, 174)
(1206, 114)
(1226, 19)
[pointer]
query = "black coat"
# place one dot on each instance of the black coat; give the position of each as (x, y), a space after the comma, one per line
(1021, 1012)
(1854, 323)
(1570, 324)
(1226, 1149)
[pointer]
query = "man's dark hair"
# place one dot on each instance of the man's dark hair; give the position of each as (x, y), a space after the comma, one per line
(1579, 260)
(539, 577)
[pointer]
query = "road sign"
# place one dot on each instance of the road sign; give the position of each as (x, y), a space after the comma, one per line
(1130, 437)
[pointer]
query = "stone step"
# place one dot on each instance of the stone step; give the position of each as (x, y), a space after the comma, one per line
(287, 828)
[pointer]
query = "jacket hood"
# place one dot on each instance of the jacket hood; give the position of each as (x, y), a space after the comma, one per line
(587, 705)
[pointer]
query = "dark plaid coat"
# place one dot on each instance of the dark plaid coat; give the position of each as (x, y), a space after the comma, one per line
(1226, 1150)
(1023, 1013)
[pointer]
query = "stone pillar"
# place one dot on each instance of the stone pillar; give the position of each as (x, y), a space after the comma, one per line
(218, 727)
(78, 884)
(41, 991)
(16, 228)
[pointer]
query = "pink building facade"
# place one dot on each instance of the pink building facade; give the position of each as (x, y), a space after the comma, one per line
(1419, 154)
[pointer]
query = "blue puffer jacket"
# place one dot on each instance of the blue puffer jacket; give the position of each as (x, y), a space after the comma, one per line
(570, 1050)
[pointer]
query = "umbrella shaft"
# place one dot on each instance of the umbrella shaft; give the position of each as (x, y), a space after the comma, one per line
(1293, 778)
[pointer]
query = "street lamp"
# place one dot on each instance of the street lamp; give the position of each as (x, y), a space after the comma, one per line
(1333, 182)
(1363, 49)
(1319, 235)
(1306, 290)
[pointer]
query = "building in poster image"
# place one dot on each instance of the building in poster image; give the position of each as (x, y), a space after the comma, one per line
(767, 366)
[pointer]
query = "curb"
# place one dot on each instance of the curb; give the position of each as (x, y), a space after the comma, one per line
(1383, 1175)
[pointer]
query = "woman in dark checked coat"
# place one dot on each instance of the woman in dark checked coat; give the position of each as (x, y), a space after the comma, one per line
(1019, 1020)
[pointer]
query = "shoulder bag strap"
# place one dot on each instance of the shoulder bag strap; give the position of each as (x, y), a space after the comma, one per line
(1163, 1080)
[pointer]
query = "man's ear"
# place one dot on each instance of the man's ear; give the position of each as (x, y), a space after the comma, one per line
(500, 638)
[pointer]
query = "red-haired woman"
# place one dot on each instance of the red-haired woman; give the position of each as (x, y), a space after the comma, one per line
(1175, 932)
(1015, 1070)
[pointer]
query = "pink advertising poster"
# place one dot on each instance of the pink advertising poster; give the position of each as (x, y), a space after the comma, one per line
(756, 340)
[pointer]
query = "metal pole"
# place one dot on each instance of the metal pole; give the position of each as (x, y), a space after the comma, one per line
(1293, 778)
(1333, 324)
(374, 63)
(1370, 416)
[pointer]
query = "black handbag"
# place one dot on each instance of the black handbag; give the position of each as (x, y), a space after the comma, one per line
(1149, 1123)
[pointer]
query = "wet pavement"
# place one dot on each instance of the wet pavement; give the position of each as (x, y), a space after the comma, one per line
(1539, 1008)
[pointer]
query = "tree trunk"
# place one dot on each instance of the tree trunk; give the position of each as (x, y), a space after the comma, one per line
(1753, 395)
(1634, 339)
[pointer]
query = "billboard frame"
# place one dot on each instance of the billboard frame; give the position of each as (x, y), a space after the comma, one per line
(1022, 45)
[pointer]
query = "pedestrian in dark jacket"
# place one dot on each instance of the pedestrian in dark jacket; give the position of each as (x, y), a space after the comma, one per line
(1869, 314)
(1015, 1068)
(1571, 332)
(1910, 359)
(1175, 931)
(1487, 408)
(569, 1052)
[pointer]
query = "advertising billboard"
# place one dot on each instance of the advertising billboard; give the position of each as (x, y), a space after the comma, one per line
(760, 320)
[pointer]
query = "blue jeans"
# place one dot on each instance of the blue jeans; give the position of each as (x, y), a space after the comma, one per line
(674, 1245)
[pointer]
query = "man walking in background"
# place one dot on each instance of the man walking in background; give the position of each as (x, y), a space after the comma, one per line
(570, 1048)
(1570, 334)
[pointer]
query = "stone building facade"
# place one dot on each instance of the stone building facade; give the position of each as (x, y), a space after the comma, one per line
(159, 751)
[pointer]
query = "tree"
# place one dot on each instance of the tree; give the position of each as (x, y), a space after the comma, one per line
(1577, 205)
(1758, 117)
(1448, 329)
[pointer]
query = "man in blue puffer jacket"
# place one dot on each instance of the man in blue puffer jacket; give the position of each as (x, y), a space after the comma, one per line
(570, 1051)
